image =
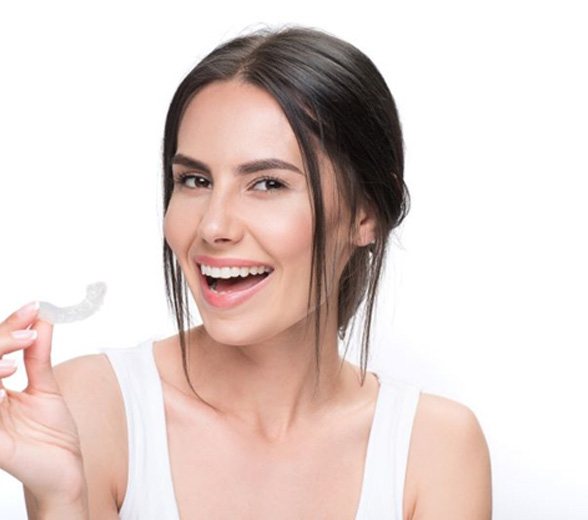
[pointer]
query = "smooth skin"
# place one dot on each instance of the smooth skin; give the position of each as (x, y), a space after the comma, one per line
(39, 441)
(241, 355)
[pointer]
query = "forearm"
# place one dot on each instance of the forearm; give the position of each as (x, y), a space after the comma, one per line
(76, 509)
(70, 511)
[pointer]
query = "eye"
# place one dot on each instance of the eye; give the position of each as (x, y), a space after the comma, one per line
(201, 182)
(271, 184)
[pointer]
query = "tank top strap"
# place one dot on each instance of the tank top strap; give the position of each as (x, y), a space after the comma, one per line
(382, 493)
(149, 494)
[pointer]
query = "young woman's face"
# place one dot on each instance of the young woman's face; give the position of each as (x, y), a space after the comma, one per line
(225, 211)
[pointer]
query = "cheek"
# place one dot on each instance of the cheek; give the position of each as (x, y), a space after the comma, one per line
(176, 225)
(286, 234)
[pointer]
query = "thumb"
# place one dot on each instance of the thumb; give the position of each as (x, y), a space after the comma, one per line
(37, 360)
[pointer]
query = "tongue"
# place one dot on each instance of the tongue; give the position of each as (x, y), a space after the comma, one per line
(238, 284)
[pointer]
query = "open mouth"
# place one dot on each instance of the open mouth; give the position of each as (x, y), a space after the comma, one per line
(234, 284)
(221, 285)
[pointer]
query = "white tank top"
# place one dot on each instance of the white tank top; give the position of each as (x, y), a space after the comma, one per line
(150, 493)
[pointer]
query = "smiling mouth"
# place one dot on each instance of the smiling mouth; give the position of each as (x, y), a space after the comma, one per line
(233, 280)
(234, 284)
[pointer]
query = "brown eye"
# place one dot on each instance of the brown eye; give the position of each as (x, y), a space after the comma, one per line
(200, 182)
(271, 184)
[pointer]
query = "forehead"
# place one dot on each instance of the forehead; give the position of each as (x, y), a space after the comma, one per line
(232, 122)
(238, 121)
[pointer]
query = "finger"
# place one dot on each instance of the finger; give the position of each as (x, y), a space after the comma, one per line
(37, 360)
(21, 318)
(22, 339)
(7, 368)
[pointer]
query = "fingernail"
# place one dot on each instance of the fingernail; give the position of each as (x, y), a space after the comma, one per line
(24, 334)
(7, 363)
(28, 309)
(2, 394)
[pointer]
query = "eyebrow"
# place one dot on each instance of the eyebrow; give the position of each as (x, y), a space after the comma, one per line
(245, 168)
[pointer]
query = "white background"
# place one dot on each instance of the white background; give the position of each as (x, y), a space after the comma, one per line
(485, 298)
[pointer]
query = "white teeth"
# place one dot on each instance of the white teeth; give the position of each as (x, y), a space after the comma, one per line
(232, 272)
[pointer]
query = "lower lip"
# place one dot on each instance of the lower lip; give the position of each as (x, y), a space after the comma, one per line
(225, 300)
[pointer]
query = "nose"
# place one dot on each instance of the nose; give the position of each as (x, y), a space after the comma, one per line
(219, 222)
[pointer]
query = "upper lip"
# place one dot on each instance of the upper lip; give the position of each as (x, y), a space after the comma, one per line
(228, 262)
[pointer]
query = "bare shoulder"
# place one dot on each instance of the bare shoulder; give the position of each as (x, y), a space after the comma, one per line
(89, 386)
(90, 389)
(449, 474)
(85, 370)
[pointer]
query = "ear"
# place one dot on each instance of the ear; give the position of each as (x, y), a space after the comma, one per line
(365, 227)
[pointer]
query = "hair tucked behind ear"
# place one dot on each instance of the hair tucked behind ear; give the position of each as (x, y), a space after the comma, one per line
(335, 99)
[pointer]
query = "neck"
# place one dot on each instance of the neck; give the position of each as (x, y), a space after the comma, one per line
(270, 388)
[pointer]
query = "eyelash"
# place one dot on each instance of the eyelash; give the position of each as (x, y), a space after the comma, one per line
(181, 178)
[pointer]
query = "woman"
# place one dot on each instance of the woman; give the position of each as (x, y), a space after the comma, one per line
(283, 177)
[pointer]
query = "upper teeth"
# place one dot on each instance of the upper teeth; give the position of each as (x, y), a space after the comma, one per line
(231, 272)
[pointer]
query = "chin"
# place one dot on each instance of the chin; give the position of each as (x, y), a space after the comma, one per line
(235, 332)
(243, 333)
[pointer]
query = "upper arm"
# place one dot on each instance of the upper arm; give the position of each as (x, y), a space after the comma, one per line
(89, 388)
(451, 463)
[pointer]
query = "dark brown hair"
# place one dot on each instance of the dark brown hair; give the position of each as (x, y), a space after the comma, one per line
(334, 97)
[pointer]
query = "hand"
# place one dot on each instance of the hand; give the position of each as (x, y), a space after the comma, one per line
(39, 441)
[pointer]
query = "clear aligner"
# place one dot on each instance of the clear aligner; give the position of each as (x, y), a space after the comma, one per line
(94, 297)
